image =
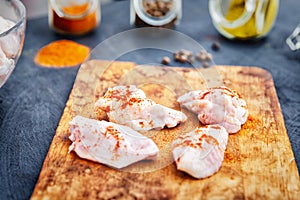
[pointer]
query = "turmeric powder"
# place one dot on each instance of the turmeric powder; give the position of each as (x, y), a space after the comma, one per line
(76, 9)
(76, 19)
(62, 53)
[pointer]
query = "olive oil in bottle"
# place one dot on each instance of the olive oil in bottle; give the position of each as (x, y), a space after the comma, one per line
(244, 19)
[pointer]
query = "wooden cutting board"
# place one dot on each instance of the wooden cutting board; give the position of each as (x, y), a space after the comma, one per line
(258, 164)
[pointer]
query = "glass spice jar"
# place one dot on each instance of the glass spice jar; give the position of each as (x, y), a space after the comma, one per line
(155, 13)
(73, 17)
(243, 19)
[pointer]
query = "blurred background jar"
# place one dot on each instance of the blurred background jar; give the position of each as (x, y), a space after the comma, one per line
(155, 13)
(73, 17)
(243, 19)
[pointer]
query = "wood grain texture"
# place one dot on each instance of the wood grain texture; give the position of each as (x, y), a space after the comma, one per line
(259, 162)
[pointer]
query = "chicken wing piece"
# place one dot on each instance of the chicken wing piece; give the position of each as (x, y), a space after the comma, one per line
(128, 105)
(109, 143)
(5, 64)
(218, 105)
(9, 43)
(200, 153)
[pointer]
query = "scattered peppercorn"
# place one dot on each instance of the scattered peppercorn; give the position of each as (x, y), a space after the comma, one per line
(183, 56)
(205, 64)
(166, 60)
(216, 46)
(203, 56)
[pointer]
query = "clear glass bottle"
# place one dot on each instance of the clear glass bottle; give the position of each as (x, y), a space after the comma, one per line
(73, 17)
(243, 19)
(155, 13)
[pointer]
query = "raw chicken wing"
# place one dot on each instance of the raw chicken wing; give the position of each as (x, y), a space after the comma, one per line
(219, 105)
(109, 143)
(200, 153)
(128, 105)
(9, 43)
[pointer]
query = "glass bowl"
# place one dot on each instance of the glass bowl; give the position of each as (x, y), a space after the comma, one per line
(12, 33)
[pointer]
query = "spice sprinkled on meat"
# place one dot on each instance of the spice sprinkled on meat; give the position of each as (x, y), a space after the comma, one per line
(218, 105)
(200, 153)
(109, 143)
(128, 105)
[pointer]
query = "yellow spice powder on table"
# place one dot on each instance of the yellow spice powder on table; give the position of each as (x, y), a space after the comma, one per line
(62, 53)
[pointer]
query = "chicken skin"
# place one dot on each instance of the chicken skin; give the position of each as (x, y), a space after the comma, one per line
(200, 153)
(109, 143)
(128, 105)
(218, 105)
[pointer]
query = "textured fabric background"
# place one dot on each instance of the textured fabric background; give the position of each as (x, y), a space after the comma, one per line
(33, 99)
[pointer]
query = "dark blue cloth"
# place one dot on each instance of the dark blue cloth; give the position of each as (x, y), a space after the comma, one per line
(33, 99)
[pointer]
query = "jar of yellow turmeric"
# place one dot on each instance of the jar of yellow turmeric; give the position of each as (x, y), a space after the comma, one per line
(243, 19)
(73, 17)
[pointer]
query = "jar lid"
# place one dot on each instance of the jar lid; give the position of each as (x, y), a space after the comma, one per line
(153, 20)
